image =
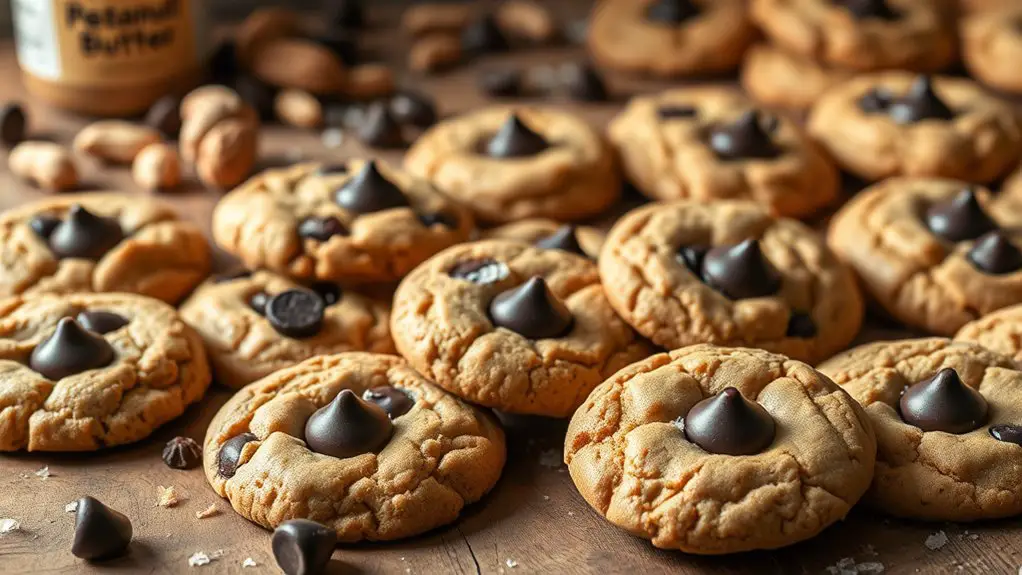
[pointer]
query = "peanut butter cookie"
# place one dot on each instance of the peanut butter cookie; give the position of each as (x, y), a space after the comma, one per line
(1000, 331)
(776, 78)
(544, 233)
(992, 47)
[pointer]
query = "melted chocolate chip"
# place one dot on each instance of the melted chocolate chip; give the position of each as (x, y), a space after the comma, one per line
(564, 239)
(329, 292)
(230, 454)
(800, 325)
(959, 219)
(483, 36)
(165, 116)
(347, 427)
(875, 101)
(303, 547)
(692, 257)
(920, 103)
(344, 13)
(71, 349)
(100, 532)
(444, 219)
(101, 322)
(863, 9)
(729, 424)
(483, 271)
(85, 235)
(995, 254)
(531, 310)
(745, 138)
(369, 192)
(182, 453)
(43, 225)
(501, 82)
(515, 140)
(379, 128)
(413, 108)
(943, 403)
(672, 11)
(13, 124)
(257, 302)
(671, 112)
(321, 229)
(1008, 433)
(296, 313)
(585, 83)
(396, 402)
(741, 271)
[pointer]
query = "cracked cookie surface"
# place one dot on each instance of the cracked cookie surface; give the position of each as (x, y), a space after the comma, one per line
(774, 77)
(631, 460)
(992, 47)
(442, 455)
(936, 475)
(1000, 331)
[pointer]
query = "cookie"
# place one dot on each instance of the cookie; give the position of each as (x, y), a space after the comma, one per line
(970, 6)
(778, 79)
(992, 47)
(248, 337)
(357, 442)
(946, 417)
(728, 273)
(579, 240)
(100, 242)
(351, 222)
(83, 372)
(511, 326)
(932, 252)
(508, 164)
(714, 450)
(896, 123)
(669, 37)
(709, 144)
(1000, 331)
(914, 35)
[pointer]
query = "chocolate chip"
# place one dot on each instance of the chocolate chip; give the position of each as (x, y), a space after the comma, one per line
(85, 235)
(368, 191)
(501, 82)
(43, 225)
(515, 140)
(303, 547)
(182, 453)
(995, 254)
(444, 219)
(671, 112)
(347, 427)
(296, 313)
(321, 229)
(240, 273)
(344, 13)
(564, 239)
(729, 424)
(692, 257)
(258, 94)
(875, 101)
(379, 129)
(1008, 433)
(531, 310)
(100, 532)
(863, 9)
(13, 124)
(741, 271)
(165, 116)
(920, 103)
(672, 11)
(223, 63)
(329, 292)
(800, 325)
(943, 403)
(101, 322)
(394, 401)
(258, 301)
(413, 108)
(482, 271)
(71, 349)
(585, 83)
(341, 43)
(483, 36)
(230, 454)
(959, 219)
(745, 138)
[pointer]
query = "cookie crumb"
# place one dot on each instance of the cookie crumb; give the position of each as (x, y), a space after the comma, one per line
(44, 472)
(8, 525)
(71, 507)
(551, 458)
(169, 497)
(208, 512)
(546, 498)
(871, 567)
(936, 541)
(249, 562)
(198, 559)
(511, 563)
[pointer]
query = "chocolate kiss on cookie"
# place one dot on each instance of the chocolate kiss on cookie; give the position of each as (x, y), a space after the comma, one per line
(100, 532)
(729, 424)
(1007, 433)
(369, 192)
(321, 229)
(329, 292)
(740, 271)
(995, 254)
(515, 140)
(862, 9)
(744, 138)
(347, 427)
(379, 128)
(84, 235)
(303, 547)
(43, 225)
(875, 101)
(959, 219)
(943, 403)
(101, 322)
(671, 11)
(296, 313)
(391, 399)
(70, 350)
(531, 310)
(920, 103)
(230, 454)
(692, 257)
(564, 239)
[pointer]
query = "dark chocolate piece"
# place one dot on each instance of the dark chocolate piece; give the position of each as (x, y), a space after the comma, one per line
(672, 12)
(876, 101)
(515, 140)
(741, 271)
(369, 191)
(483, 36)
(729, 424)
(165, 116)
(296, 313)
(670, 112)
(920, 103)
(482, 271)
(101, 322)
(692, 257)
(258, 94)
(13, 124)
(531, 310)
(396, 402)
(328, 291)
(182, 453)
(344, 13)
(801, 325)
(348, 427)
(230, 454)
(1007, 432)
(71, 349)
(100, 532)
(863, 9)
(995, 254)
(44, 225)
(303, 547)
(85, 235)
(745, 138)
(223, 63)
(501, 82)
(943, 403)
(584, 83)
(565, 239)
(413, 108)
(959, 219)
(379, 129)
(321, 229)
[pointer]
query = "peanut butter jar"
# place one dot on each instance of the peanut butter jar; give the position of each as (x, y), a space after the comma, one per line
(109, 57)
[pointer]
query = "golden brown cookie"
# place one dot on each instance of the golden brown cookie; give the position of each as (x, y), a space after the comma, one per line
(969, 6)
(728, 273)
(653, 452)
(579, 240)
(711, 143)
(511, 326)
(82, 372)
(349, 222)
(776, 78)
(508, 164)
(946, 417)
(992, 47)
(358, 442)
(100, 242)
(895, 123)
(1000, 331)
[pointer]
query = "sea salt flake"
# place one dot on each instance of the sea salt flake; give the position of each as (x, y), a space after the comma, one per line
(936, 541)
(198, 559)
(8, 525)
(71, 507)
(44, 472)
(845, 566)
(249, 562)
(511, 563)
(870, 567)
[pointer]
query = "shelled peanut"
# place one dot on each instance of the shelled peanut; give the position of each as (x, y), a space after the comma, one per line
(45, 164)
(219, 135)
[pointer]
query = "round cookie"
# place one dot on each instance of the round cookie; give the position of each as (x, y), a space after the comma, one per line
(511, 326)
(728, 273)
(895, 123)
(711, 143)
(969, 6)
(579, 240)
(714, 450)
(508, 164)
(930, 251)
(351, 222)
(83, 372)
(1000, 331)
(100, 242)
(246, 343)
(883, 34)
(776, 78)
(669, 37)
(992, 47)
(358, 442)
(947, 420)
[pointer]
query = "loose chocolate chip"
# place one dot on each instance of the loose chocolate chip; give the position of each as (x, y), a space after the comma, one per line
(230, 454)
(531, 310)
(585, 83)
(875, 101)
(165, 116)
(257, 94)
(394, 401)
(959, 219)
(223, 64)
(341, 43)
(565, 239)
(863, 9)
(296, 313)
(85, 235)
(321, 229)
(13, 124)
(801, 325)
(741, 271)
(100, 532)
(69, 350)
(671, 11)
(1008, 433)
(329, 292)
(745, 138)
(101, 322)
(671, 112)
(43, 226)
(347, 427)
(379, 129)
(692, 257)
(368, 191)
(483, 271)
(995, 254)
(182, 453)
(344, 13)
(413, 108)
(303, 547)
(920, 103)
(943, 403)
(230, 276)
(515, 140)
(258, 301)
(729, 424)
(483, 36)
(444, 219)
(501, 82)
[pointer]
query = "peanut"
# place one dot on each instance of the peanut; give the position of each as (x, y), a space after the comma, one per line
(428, 18)
(369, 81)
(202, 109)
(114, 141)
(261, 27)
(434, 53)
(227, 153)
(45, 164)
(527, 19)
(157, 167)
(299, 109)
(299, 63)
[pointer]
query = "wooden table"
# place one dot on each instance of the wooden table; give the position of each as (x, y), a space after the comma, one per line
(533, 522)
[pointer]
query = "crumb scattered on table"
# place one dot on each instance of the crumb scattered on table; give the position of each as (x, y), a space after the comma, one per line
(44, 472)
(198, 559)
(511, 563)
(249, 562)
(936, 541)
(169, 496)
(848, 566)
(208, 512)
(8, 525)
(71, 507)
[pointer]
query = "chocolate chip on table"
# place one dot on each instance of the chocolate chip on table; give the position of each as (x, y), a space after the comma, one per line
(692, 258)
(165, 116)
(344, 13)
(564, 239)
(863, 9)
(444, 219)
(675, 111)
(394, 401)
(329, 292)
(483, 36)
(257, 302)
(347, 427)
(481, 271)
(101, 322)
(230, 454)
(960, 218)
(920, 103)
(729, 424)
(369, 191)
(182, 453)
(379, 128)
(745, 138)
(501, 82)
(1007, 432)
(71, 349)
(801, 325)
(321, 229)
(531, 310)
(84, 235)
(342, 43)
(994, 253)
(223, 63)
(584, 83)
(44, 225)
(13, 124)
(100, 532)
(740, 271)
(943, 403)
(413, 108)
(515, 140)
(258, 94)
(296, 313)
(303, 547)
(875, 101)
(672, 11)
